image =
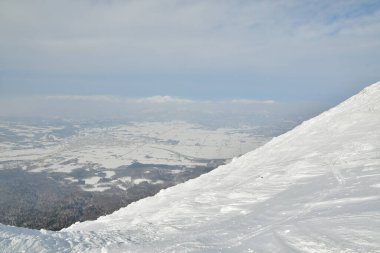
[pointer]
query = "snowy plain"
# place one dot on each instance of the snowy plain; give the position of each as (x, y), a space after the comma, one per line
(313, 189)
(106, 149)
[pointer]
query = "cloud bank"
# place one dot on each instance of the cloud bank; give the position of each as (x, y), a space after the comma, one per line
(214, 113)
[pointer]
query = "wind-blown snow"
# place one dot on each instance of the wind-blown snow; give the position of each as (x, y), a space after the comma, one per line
(313, 189)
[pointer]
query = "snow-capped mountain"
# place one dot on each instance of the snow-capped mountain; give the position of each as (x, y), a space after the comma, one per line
(313, 189)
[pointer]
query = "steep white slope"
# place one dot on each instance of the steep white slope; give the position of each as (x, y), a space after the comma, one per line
(313, 189)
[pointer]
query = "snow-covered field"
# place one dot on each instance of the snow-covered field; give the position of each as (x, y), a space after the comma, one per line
(120, 145)
(105, 149)
(313, 189)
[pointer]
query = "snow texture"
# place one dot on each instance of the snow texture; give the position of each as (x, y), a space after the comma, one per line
(107, 149)
(313, 189)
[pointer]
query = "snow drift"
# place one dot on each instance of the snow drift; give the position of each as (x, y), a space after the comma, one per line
(313, 189)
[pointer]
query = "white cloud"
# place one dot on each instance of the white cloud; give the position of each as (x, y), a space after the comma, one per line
(161, 100)
(252, 101)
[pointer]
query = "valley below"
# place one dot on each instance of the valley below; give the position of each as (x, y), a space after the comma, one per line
(54, 174)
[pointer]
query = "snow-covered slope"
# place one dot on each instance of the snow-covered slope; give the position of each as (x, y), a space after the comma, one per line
(313, 189)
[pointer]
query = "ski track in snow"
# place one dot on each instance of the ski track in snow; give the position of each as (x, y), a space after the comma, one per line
(313, 189)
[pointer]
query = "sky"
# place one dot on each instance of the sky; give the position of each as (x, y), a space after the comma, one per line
(293, 51)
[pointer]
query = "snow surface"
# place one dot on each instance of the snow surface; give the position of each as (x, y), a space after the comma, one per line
(313, 189)
(106, 149)
(170, 143)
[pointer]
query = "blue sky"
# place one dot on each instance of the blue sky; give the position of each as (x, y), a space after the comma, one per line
(321, 51)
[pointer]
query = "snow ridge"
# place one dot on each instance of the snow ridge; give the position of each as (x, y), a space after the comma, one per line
(313, 189)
